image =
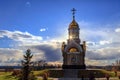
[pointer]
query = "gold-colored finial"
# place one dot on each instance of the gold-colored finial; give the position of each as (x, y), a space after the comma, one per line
(73, 13)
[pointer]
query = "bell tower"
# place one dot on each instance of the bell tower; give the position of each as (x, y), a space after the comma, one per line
(73, 29)
(73, 51)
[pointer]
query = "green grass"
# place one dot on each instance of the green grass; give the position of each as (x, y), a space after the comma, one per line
(57, 74)
(40, 73)
(7, 76)
(111, 73)
(97, 73)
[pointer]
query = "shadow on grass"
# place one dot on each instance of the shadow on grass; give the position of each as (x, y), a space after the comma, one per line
(10, 77)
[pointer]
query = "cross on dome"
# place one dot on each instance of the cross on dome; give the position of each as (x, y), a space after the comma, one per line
(73, 12)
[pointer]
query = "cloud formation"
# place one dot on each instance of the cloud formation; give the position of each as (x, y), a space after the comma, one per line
(43, 29)
(108, 53)
(10, 56)
(102, 46)
(48, 52)
(23, 37)
(117, 30)
(51, 53)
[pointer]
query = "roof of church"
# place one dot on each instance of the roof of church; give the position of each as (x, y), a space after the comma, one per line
(73, 24)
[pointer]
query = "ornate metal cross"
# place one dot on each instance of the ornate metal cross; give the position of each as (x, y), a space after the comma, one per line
(73, 12)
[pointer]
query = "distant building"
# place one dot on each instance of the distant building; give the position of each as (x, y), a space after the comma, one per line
(73, 52)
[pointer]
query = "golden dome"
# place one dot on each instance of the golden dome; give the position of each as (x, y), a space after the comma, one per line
(73, 24)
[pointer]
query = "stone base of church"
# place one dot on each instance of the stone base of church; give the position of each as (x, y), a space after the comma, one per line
(73, 66)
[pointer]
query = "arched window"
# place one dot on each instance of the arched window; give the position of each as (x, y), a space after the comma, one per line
(73, 50)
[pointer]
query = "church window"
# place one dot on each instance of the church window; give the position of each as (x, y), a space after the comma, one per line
(73, 50)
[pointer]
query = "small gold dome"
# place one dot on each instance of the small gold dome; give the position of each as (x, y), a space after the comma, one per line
(73, 24)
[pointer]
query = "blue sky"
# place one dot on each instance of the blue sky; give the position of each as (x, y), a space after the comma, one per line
(43, 23)
(30, 15)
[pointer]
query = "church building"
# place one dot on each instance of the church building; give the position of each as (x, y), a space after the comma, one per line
(73, 51)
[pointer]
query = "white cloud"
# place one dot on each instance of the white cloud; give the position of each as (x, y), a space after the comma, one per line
(9, 55)
(45, 51)
(28, 4)
(104, 42)
(96, 62)
(108, 53)
(22, 37)
(117, 30)
(47, 37)
(55, 63)
(42, 29)
(90, 43)
(48, 51)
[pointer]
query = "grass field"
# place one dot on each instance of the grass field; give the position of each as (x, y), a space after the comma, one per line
(99, 73)
(8, 76)
(57, 74)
